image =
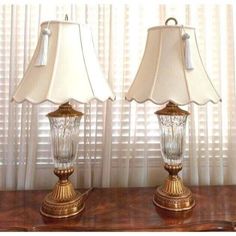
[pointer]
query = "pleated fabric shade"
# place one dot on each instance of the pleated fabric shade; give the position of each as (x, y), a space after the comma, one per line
(64, 67)
(163, 75)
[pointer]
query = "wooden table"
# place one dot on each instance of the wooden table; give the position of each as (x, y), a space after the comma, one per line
(123, 209)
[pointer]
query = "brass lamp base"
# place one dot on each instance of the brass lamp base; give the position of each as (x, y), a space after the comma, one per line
(63, 201)
(173, 195)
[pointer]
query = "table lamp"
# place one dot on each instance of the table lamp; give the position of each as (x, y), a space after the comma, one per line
(64, 67)
(172, 72)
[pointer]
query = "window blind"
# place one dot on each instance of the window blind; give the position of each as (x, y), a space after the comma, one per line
(119, 143)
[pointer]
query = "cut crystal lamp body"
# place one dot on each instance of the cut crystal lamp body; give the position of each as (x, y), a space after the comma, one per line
(64, 139)
(172, 138)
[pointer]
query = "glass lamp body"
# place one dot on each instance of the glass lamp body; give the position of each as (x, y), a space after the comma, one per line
(172, 137)
(64, 139)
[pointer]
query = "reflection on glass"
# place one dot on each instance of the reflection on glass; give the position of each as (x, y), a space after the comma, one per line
(64, 136)
(172, 138)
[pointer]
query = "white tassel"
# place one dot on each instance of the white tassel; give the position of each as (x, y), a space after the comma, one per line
(187, 52)
(42, 57)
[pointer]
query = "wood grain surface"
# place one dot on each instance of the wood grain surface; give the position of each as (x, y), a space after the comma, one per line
(122, 209)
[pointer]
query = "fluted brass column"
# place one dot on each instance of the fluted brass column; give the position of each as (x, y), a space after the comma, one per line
(173, 195)
(63, 201)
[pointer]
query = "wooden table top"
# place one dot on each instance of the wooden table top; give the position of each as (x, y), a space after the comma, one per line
(122, 209)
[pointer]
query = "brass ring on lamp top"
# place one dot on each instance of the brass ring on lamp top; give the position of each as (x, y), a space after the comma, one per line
(171, 18)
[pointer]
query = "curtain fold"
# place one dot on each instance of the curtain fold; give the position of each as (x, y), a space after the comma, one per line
(119, 142)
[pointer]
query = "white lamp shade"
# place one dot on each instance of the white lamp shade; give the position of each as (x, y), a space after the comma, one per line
(162, 75)
(72, 70)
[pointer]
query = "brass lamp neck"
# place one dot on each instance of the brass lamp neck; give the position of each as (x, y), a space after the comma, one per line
(63, 174)
(173, 169)
(172, 109)
(65, 110)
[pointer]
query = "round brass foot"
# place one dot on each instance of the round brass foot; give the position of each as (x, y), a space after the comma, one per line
(56, 209)
(180, 202)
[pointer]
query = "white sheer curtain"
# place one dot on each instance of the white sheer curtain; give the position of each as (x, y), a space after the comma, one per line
(119, 141)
